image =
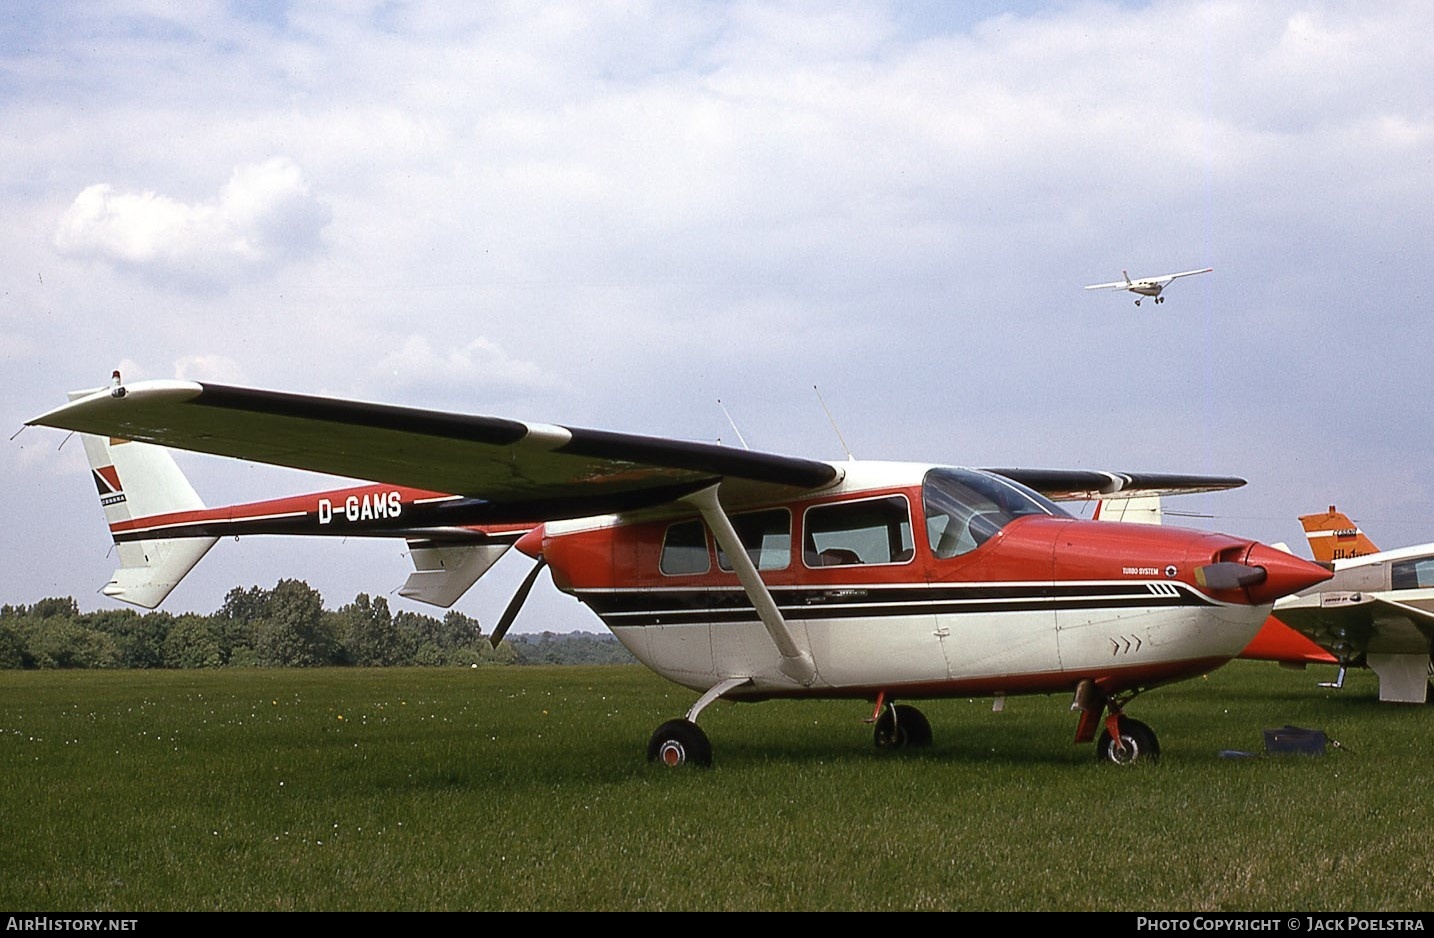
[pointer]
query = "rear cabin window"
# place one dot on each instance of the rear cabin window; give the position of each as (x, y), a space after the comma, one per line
(766, 536)
(876, 530)
(684, 549)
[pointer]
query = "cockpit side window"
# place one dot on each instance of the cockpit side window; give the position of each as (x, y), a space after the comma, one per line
(965, 508)
(766, 536)
(1412, 574)
(873, 530)
(684, 549)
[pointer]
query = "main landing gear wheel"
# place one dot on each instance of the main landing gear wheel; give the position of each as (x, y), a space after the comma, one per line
(1138, 745)
(900, 727)
(679, 742)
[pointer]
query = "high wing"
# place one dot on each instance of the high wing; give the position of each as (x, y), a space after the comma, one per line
(1160, 280)
(526, 472)
(1390, 631)
(1087, 484)
(1113, 285)
(522, 471)
(1166, 278)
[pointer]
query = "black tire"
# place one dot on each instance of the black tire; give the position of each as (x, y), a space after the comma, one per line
(901, 726)
(1140, 745)
(679, 742)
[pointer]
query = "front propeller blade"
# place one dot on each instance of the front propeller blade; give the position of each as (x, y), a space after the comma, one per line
(516, 603)
(1228, 576)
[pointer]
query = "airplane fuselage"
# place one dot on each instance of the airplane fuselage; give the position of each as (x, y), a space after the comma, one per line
(884, 599)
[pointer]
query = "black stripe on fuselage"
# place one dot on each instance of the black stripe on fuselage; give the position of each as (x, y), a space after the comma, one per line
(696, 606)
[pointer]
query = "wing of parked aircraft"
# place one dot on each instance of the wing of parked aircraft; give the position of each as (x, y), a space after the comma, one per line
(524, 471)
(1390, 631)
(1377, 610)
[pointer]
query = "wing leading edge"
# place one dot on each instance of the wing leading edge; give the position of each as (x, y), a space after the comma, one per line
(525, 471)
(1087, 484)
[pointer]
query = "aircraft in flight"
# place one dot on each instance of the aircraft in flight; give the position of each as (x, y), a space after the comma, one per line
(1377, 611)
(1147, 286)
(741, 575)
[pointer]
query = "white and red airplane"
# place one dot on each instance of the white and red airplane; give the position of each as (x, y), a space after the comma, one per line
(741, 575)
(1147, 286)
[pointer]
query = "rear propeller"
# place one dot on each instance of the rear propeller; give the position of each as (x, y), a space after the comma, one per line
(516, 603)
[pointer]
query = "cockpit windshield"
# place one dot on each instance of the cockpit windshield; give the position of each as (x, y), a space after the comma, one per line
(964, 508)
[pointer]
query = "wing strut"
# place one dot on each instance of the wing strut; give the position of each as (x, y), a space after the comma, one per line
(795, 664)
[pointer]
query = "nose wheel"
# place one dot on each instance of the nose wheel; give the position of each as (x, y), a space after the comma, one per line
(901, 726)
(1133, 743)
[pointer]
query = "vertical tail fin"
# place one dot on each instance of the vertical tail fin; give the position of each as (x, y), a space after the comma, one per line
(1333, 536)
(136, 481)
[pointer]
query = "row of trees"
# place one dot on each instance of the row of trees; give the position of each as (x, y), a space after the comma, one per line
(283, 627)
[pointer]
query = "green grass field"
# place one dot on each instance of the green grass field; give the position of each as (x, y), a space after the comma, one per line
(527, 788)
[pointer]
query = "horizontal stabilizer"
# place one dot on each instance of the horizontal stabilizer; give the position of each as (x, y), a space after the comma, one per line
(149, 570)
(443, 573)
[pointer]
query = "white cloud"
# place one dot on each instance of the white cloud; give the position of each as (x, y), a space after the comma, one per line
(209, 368)
(416, 364)
(265, 216)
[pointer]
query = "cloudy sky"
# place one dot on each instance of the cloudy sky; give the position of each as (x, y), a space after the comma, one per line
(612, 214)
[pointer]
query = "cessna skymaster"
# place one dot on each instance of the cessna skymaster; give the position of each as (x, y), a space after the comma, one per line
(741, 575)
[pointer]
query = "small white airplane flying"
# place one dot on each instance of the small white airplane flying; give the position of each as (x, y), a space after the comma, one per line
(1147, 286)
(738, 574)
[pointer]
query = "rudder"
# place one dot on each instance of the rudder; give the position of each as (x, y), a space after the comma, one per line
(138, 481)
(1333, 536)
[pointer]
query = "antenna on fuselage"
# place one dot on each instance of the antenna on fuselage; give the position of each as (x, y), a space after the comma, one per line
(847, 449)
(740, 438)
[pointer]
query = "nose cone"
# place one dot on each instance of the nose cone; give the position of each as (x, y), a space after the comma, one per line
(1262, 575)
(532, 542)
(1284, 574)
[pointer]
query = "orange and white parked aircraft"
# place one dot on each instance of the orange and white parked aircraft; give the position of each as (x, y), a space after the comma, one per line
(1147, 286)
(1333, 536)
(1377, 611)
(741, 575)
